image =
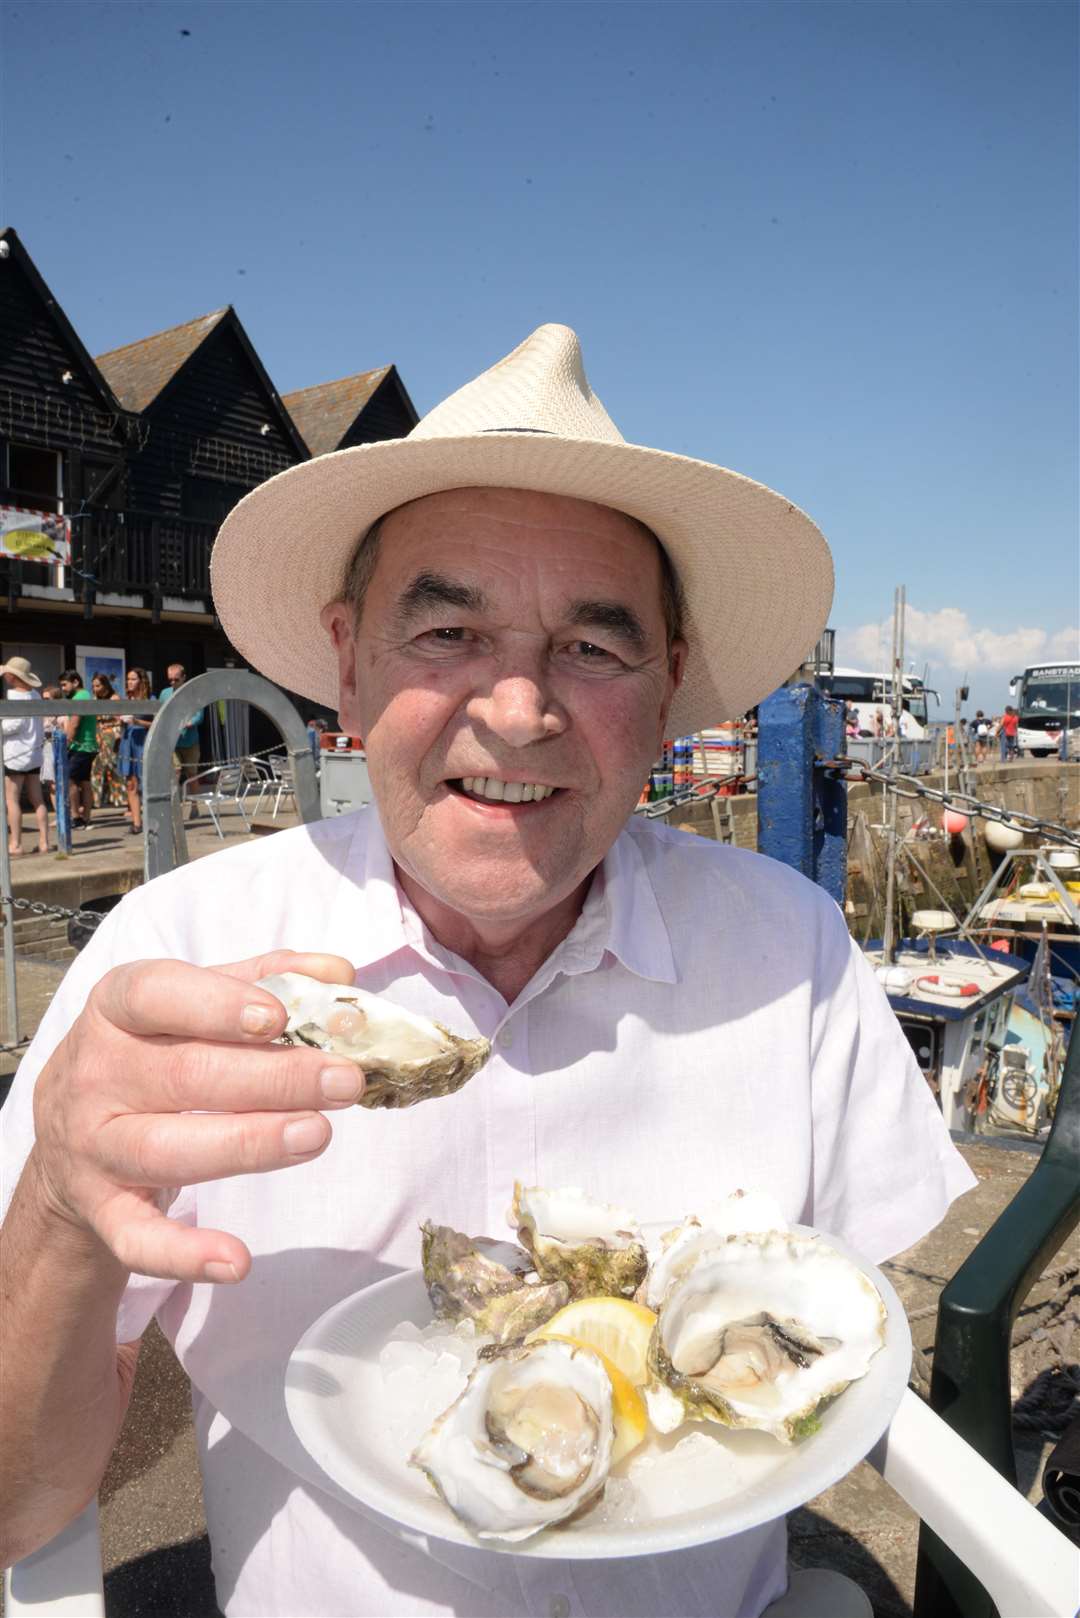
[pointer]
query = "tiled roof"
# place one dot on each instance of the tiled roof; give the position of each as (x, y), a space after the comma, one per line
(138, 371)
(325, 412)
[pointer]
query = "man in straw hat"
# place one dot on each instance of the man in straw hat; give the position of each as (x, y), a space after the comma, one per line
(24, 743)
(512, 606)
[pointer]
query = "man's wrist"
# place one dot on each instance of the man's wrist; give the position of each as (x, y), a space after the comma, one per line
(68, 1237)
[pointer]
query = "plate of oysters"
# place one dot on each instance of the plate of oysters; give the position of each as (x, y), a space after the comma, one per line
(597, 1389)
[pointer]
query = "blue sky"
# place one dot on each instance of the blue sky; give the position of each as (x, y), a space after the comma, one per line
(832, 246)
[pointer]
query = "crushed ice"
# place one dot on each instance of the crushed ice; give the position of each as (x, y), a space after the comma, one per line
(424, 1369)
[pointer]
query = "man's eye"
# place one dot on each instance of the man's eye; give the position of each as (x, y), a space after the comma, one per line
(589, 652)
(450, 636)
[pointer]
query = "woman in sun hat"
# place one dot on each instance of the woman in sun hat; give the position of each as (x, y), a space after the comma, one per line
(24, 740)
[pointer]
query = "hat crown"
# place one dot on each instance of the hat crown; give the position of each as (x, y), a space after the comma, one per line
(20, 668)
(540, 387)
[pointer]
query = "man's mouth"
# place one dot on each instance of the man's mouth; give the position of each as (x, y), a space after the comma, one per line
(489, 789)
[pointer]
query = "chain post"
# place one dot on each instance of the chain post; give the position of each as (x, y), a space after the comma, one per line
(802, 800)
(61, 786)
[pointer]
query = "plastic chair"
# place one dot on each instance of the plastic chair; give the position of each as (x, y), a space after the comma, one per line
(970, 1382)
(1029, 1568)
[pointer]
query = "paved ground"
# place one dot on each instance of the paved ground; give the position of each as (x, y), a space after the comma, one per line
(152, 1523)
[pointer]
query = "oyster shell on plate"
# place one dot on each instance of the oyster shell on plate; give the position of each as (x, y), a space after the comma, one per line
(597, 1249)
(741, 1212)
(492, 1283)
(760, 1331)
(527, 1444)
(405, 1057)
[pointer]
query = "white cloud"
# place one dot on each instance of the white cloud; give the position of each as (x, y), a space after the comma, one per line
(947, 639)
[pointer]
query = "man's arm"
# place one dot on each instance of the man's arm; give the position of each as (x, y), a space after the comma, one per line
(164, 1079)
(66, 1382)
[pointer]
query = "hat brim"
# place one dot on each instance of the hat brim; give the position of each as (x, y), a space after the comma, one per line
(756, 572)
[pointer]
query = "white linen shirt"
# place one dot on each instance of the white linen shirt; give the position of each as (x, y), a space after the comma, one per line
(707, 1025)
(24, 737)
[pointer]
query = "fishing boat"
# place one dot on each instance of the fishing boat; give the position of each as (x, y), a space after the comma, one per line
(955, 1002)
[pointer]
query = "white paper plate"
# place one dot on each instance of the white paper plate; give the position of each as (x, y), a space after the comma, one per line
(334, 1391)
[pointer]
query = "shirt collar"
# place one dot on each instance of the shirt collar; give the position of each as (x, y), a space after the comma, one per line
(621, 913)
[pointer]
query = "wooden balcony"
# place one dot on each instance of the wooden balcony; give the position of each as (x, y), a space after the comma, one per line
(124, 553)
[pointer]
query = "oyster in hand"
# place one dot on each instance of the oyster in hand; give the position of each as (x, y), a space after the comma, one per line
(405, 1058)
(528, 1442)
(596, 1249)
(487, 1282)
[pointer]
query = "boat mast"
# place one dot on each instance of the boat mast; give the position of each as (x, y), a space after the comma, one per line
(899, 606)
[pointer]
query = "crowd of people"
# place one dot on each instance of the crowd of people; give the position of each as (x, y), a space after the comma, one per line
(105, 754)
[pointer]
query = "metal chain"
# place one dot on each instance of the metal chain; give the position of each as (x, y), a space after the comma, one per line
(701, 793)
(37, 908)
(963, 803)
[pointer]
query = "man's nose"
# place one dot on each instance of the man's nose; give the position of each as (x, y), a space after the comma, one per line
(519, 709)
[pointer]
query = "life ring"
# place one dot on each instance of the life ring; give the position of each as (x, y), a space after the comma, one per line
(931, 983)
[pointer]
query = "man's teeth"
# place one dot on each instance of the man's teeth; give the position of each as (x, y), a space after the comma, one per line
(486, 786)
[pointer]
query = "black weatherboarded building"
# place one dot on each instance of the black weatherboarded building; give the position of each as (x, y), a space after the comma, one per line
(145, 450)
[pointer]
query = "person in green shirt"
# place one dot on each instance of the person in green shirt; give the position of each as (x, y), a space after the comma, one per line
(82, 748)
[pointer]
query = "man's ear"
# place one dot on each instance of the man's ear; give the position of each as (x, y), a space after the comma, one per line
(676, 670)
(338, 619)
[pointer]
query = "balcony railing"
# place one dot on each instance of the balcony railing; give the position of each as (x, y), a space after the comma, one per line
(131, 552)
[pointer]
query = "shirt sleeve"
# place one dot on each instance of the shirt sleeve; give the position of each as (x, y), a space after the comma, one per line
(116, 940)
(885, 1169)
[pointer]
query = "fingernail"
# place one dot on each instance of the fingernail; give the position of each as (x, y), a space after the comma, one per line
(304, 1136)
(340, 1083)
(220, 1272)
(256, 1019)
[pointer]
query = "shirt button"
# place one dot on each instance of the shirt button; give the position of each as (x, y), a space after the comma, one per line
(559, 1607)
(505, 1038)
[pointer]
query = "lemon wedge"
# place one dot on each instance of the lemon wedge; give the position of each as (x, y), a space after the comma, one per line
(616, 1328)
(628, 1414)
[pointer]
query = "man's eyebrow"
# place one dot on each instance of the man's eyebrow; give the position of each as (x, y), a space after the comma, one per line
(429, 590)
(613, 616)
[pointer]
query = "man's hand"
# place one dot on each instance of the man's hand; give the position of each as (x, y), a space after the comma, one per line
(169, 1078)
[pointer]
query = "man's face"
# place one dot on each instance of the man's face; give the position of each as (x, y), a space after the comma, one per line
(68, 687)
(514, 641)
(176, 675)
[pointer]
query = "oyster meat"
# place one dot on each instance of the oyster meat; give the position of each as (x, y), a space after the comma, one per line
(526, 1444)
(595, 1248)
(405, 1057)
(759, 1331)
(494, 1284)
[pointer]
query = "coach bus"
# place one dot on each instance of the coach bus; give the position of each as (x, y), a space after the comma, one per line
(1047, 697)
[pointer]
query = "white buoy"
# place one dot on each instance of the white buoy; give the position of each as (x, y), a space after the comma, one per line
(1001, 835)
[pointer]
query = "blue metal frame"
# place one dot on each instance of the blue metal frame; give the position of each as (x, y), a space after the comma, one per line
(802, 806)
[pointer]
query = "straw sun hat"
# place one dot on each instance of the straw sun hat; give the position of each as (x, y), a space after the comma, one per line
(755, 570)
(20, 667)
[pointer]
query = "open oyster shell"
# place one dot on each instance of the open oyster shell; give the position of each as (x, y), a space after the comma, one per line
(494, 1284)
(595, 1248)
(680, 1249)
(527, 1443)
(759, 1332)
(405, 1057)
